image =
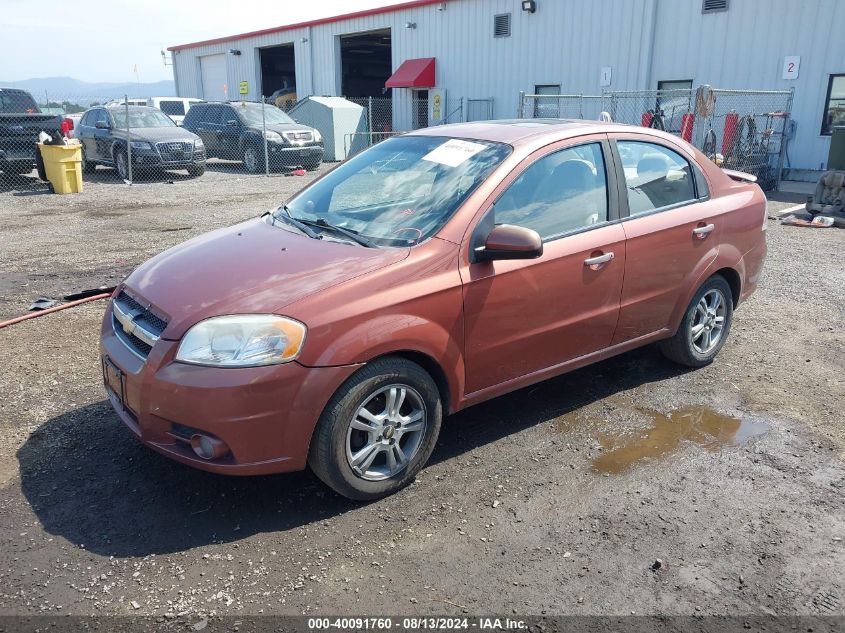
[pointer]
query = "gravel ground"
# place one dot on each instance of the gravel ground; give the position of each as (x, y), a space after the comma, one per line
(629, 486)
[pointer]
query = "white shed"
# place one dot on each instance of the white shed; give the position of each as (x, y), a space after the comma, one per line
(341, 122)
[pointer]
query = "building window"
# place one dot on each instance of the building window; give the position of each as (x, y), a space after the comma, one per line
(712, 6)
(502, 25)
(834, 104)
(545, 108)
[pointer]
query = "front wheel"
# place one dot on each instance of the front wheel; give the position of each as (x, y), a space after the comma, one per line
(378, 430)
(195, 171)
(705, 325)
(253, 161)
(87, 166)
(122, 164)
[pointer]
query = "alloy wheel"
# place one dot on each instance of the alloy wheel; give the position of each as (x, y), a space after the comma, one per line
(122, 167)
(251, 160)
(386, 432)
(708, 321)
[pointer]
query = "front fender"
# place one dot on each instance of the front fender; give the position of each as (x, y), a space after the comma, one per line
(396, 334)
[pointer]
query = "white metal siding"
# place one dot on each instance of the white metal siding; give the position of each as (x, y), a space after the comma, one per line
(567, 42)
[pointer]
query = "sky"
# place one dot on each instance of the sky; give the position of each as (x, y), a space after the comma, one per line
(104, 41)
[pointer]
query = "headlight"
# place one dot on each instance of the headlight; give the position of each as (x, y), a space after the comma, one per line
(317, 136)
(199, 143)
(242, 340)
(270, 135)
(141, 145)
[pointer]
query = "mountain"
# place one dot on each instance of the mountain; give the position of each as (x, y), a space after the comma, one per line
(84, 93)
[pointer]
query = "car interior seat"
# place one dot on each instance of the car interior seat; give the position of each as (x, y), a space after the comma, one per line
(829, 196)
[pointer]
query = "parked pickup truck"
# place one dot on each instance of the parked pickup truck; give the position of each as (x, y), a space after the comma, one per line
(20, 123)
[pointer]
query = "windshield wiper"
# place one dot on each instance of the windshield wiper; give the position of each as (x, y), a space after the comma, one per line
(289, 219)
(352, 235)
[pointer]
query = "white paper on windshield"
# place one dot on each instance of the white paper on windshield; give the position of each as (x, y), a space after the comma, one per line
(453, 152)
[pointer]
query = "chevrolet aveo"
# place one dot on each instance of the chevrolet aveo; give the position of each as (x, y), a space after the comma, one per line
(433, 271)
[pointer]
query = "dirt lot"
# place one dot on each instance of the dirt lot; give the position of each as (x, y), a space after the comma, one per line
(558, 499)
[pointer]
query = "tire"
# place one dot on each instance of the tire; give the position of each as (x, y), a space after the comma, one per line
(253, 159)
(313, 166)
(87, 167)
(121, 164)
(336, 443)
(689, 345)
(195, 171)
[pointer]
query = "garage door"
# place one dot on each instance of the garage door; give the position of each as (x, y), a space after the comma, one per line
(214, 77)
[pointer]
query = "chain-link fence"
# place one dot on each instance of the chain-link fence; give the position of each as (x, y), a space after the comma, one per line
(133, 140)
(745, 130)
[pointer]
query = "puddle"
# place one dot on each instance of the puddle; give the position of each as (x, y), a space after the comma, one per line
(668, 432)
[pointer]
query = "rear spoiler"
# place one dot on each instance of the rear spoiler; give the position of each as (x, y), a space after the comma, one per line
(740, 176)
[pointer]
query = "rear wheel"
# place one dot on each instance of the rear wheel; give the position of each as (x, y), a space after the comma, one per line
(378, 430)
(87, 167)
(705, 325)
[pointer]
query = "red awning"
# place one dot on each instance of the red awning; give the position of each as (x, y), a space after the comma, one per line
(413, 73)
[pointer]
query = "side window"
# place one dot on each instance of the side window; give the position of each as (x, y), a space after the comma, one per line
(86, 119)
(227, 114)
(561, 192)
(655, 176)
(211, 114)
(172, 107)
(102, 116)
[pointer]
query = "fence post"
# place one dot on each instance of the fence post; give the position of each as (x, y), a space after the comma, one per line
(128, 139)
(264, 135)
(783, 139)
(370, 120)
(520, 110)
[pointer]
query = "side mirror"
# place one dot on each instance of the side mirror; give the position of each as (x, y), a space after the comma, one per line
(102, 125)
(231, 123)
(507, 241)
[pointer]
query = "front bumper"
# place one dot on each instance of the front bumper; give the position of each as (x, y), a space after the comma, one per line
(153, 158)
(265, 415)
(291, 156)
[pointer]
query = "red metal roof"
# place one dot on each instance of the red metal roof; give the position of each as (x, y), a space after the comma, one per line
(413, 73)
(300, 25)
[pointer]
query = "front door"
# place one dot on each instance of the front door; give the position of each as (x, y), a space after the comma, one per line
(524, 316)
(672, 232)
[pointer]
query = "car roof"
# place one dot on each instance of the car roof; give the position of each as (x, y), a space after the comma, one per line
(529, 131)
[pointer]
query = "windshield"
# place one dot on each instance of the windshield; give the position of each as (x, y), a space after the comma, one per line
(250, 114)
(141, 118)
(14, 102)
(401, 191)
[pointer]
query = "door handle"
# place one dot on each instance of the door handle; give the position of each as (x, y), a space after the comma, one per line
(600, 259)
(703, 231)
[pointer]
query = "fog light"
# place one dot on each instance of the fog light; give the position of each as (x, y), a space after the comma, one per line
(208, 447)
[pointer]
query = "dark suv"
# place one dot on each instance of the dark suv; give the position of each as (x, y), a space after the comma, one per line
(236, 131)
(157, 143)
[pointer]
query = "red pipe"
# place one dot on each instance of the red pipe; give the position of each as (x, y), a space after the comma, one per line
(687, 122)
(728, 136)
(646, 119)
(71, 304)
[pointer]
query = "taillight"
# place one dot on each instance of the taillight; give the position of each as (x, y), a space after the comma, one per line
(67, 126)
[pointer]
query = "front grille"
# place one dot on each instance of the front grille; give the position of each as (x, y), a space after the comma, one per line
(142, 317)
(175, 151)
(302, 137)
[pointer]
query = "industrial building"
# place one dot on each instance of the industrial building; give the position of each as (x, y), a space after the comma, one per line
(434, 52)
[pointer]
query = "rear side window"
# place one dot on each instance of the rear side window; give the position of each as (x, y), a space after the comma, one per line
(561, 192)
(16, 102)
(655, 176)
(172, 107)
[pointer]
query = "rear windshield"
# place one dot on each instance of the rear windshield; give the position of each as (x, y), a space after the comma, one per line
(13, 102)
(172, 107)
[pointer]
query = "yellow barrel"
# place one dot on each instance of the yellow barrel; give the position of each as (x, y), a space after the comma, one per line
(63, 164)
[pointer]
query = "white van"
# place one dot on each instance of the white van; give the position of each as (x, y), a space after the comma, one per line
(174, 107)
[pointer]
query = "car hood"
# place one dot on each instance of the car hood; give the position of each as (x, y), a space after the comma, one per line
(249, 268)
(287, 127)
(158, 134)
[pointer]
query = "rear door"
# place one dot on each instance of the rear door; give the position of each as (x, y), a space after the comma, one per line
(229, 134)
(671, 227)
(102, 135)
(207, 126)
